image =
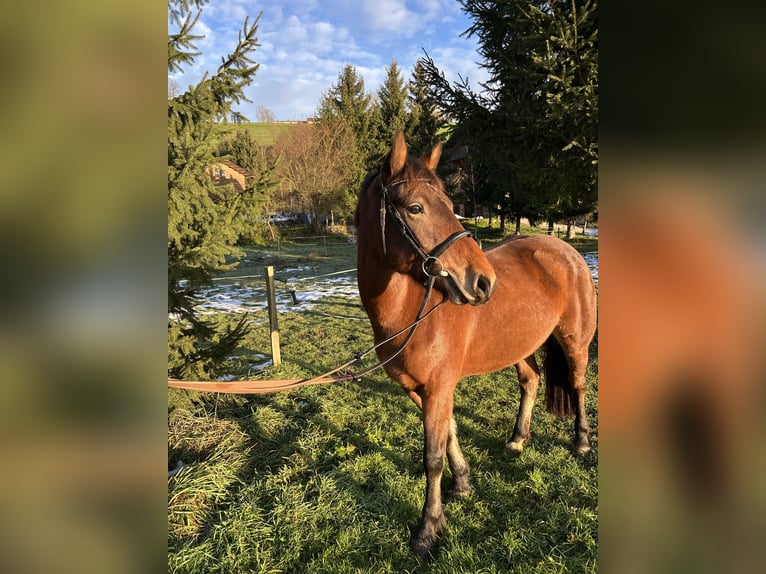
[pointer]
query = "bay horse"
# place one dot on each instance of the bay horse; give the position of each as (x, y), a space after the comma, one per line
(501, 305)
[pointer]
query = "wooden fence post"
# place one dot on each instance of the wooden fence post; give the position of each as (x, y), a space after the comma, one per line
(276, 357)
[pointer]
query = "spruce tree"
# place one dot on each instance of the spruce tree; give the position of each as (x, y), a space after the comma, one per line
(423, 121)
(533, 129)
(347, 99)
(392, 101)
(203, 221)
(570, 61)
(243, 149)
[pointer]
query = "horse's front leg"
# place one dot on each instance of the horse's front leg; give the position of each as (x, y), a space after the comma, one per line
(461, 486)
(437, 416)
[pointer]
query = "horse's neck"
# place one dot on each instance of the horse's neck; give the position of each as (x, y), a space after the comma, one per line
(392, 300)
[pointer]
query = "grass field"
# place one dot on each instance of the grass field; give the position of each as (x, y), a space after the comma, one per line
(264, 133)
(330, 478)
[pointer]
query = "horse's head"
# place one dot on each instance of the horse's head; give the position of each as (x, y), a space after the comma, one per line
(405, 218)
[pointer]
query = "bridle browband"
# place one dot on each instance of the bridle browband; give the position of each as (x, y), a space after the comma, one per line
(428, 259)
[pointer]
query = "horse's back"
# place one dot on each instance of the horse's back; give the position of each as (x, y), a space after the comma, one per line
(540, 242)
(545, 266)
(543, 287)
(540, 254)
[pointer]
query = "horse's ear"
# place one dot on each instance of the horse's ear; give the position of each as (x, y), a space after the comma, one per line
(431, 159)
(397, 157)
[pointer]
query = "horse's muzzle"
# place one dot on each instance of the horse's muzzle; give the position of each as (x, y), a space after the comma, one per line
(474, 288)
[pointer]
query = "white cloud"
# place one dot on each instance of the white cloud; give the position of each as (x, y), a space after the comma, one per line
(456, 61)
(229, 10)
(390, 15)
(305, 45)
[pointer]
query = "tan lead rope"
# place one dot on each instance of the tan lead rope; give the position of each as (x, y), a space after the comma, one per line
(251, 387)
(276, 385)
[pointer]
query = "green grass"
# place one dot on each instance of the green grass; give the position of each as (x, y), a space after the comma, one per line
(264, 134)
(489, 235)
(330, 478)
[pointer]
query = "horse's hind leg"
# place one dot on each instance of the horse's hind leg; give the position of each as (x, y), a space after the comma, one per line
(582, 430)
(578, 363)
(529, 379)
(461, 487)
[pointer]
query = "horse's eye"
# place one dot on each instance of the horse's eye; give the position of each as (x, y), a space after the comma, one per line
(415, 209)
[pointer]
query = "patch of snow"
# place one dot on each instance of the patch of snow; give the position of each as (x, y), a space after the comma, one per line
(249, 294)
(591, 259)
(244, 295)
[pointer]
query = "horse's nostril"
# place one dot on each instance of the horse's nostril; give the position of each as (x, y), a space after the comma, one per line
(483, 287)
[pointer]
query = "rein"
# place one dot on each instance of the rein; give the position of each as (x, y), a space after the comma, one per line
(274, 385)
(428, 262)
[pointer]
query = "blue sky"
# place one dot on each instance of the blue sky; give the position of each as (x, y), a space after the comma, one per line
(306, 43)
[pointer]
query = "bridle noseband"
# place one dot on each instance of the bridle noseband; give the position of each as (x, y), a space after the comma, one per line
(429, 260)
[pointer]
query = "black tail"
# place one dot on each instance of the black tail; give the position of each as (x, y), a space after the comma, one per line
(560, 398)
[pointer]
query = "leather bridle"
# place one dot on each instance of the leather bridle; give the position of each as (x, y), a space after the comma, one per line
(429, 260)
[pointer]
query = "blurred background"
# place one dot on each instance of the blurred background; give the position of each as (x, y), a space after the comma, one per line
(83, 417)
(682, 196)
(682, 275)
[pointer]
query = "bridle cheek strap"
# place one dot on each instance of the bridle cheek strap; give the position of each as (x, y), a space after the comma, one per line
(385, 204)
(429, 260)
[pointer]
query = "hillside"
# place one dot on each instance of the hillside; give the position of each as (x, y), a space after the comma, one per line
(264, 133)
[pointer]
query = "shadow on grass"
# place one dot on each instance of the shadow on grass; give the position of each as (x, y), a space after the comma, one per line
(305, 436)
(292, 436)
(298, 437)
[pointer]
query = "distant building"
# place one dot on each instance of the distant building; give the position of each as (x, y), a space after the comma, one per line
(458, 155)
(227, 172)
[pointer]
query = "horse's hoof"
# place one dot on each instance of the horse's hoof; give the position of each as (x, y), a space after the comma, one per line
(581, 450)
(514, 448)
(421, 548)
(460, 493)
(428, 533)
(423, 544)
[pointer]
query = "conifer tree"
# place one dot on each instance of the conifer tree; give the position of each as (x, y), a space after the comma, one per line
(534, 128)
(347, 99)
(423, 122)
(243, 149)
(392, 101)
(203, 221)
